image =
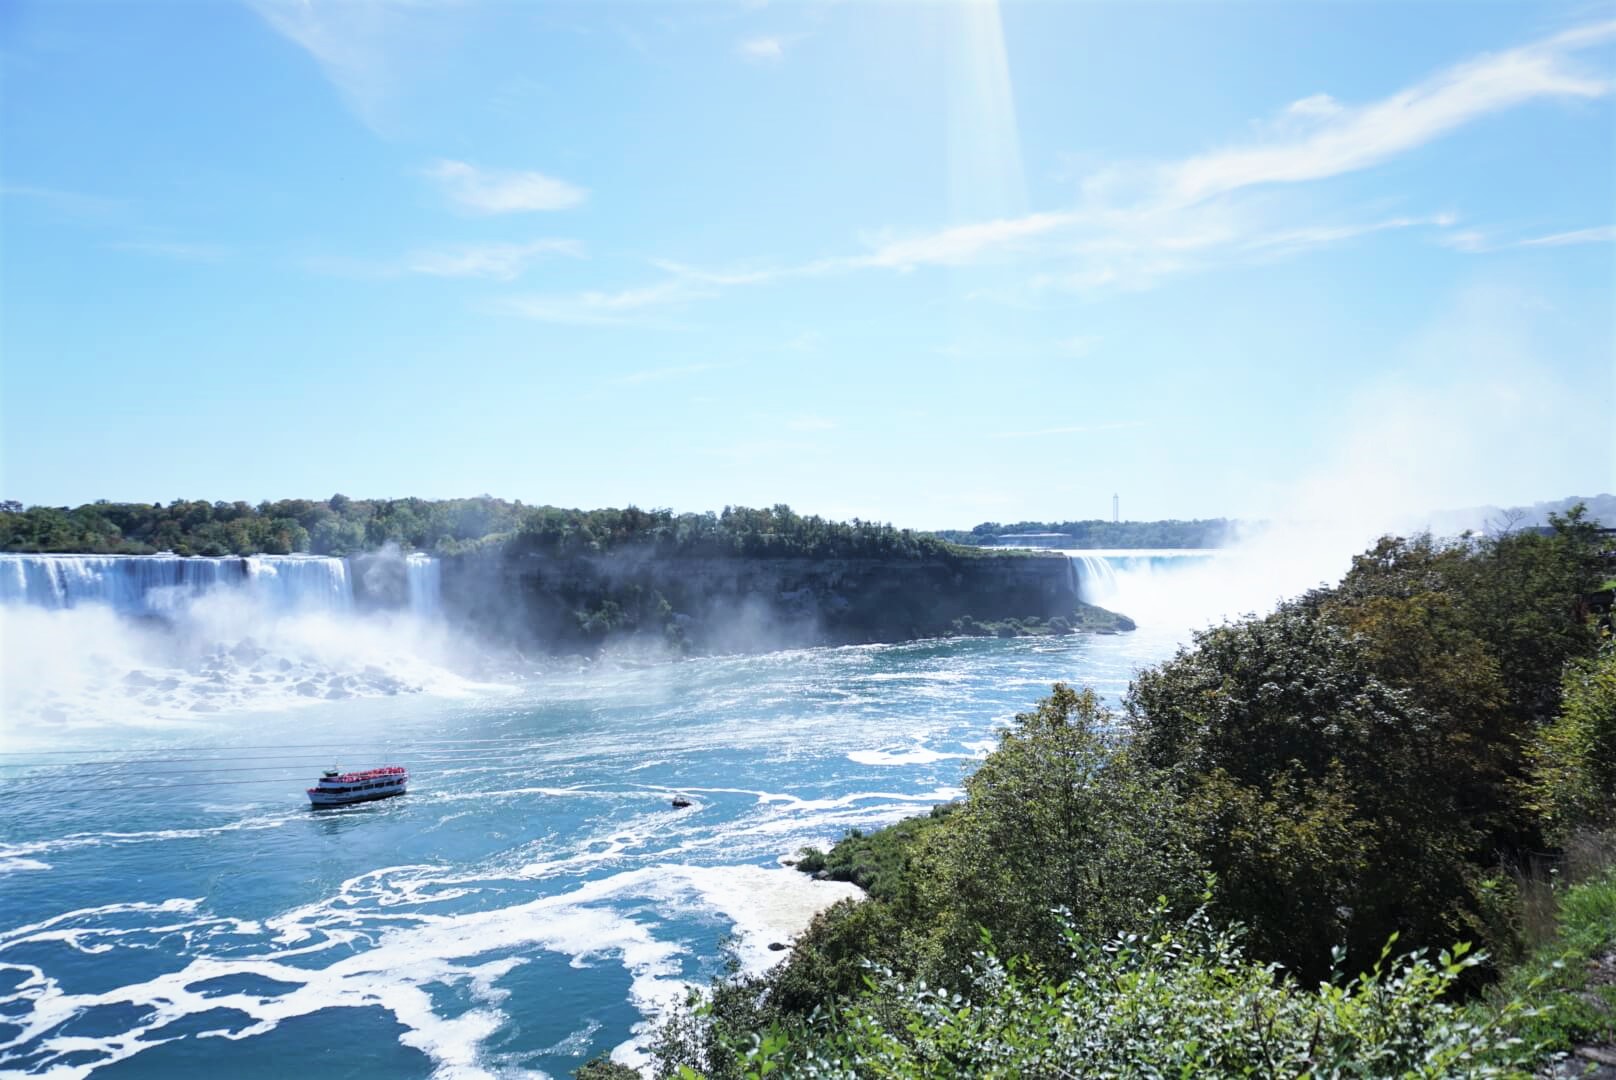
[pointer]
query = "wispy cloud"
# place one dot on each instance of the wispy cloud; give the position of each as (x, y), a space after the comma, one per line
(1134, 227)
(765, 50)
(499, 262)
(659, 375)
(1321, 235)
(594, 308)
(1072, 429)
(362, 47)
(1341, 139)
(492, 191)
(1077, 346)
(1600, 234)
(492, 262)
(182, 252)
(71, 203)
(1475, 242)
(811, 422)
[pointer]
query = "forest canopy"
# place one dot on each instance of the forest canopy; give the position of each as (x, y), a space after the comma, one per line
(343, 526)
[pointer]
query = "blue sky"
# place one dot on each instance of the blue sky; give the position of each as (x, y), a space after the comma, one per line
(933, 264)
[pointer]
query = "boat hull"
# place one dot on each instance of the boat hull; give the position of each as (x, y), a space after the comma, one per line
(319, 801)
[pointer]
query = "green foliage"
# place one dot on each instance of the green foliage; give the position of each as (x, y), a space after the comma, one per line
(1568, 985)
(1354, 764)
(1367, 762)
(341, 526)
(877, 862)
(603, 1068)
(774, 532)
(1574, 759)
(337, 526)
(1177, 999)
(1057, 817)
(1212, 532)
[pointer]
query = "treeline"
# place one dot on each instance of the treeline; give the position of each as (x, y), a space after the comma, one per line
(342, 526)
(1207, 533)
(335, 526)
(1233, 884)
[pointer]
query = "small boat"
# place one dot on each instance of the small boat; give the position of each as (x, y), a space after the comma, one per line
(680, 802)
(340, 788)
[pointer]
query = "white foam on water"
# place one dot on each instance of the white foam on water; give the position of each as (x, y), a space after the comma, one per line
(766, 905)
(72, 841)
(918, 755)
(12, 865)
(402, 952)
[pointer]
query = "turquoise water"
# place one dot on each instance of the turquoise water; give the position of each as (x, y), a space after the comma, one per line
(529, 904)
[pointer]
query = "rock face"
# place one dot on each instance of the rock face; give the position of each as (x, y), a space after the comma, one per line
(746, 604)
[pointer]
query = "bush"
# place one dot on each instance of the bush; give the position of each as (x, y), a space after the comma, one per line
(603, 1068)
(1180, 999)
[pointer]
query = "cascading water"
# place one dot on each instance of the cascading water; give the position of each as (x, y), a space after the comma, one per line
(129, 584)
(162, 584)
(1148, 586)
(300, 583)
(425, 578)
(88, 636)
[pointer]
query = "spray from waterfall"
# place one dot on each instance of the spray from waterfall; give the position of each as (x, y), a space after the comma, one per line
(89, 639)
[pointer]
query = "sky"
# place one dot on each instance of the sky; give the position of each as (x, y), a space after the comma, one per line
(932, 264)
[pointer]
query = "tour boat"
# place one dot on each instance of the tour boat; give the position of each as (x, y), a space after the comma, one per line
(340, 788)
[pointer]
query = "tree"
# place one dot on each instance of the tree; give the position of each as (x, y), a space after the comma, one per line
(1574, 761)
(1057, 817)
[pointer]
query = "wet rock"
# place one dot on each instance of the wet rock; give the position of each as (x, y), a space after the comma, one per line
(778, 946)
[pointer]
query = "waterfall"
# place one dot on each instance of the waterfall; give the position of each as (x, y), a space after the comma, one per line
(425, 579)
(1096, 579)
(300, 582)
(161, 584)
(130, 584)
(1143, 584)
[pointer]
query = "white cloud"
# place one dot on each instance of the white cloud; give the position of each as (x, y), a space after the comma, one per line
(1315, 107)
(1349, 139)
(763, 49)
(361, 46)
(494, 262)
(657, 375)
(1134, 228)
(71, 203)
(489, 191)
(1072, 429)
(203, 253)
(1474, 242)
(500, 262)
(1599, 234)
(957, 245)
(1319, 235)
(1078, 346)
(596, 308)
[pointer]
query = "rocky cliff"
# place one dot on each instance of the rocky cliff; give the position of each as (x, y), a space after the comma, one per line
(749, 604)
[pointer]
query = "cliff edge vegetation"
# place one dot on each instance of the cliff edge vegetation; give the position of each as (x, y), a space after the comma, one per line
(1369, 834)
